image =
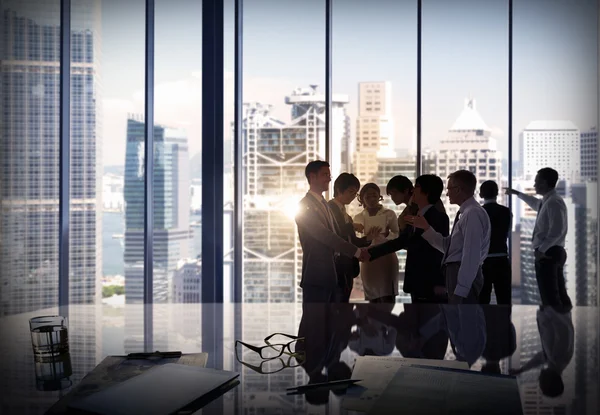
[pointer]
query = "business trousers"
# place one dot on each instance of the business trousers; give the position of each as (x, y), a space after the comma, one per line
(550, 276)
(497, 273)
(451, 274)
(317, 294)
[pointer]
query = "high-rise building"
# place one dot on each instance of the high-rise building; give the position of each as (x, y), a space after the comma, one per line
(374, 129)
(585, 199)
(553, 144)
(468, 146)
(29, 156)
(187, 281)
(589, 155)
(275, 156)
(171, 183)
(307, 103)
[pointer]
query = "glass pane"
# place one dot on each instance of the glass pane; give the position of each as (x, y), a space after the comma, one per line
(86, 146)
(378, 140)
(118, 102)
(284, 96)
(465, 92)
(177, 157)
(556, 125)
(228, 154)
(177, 179)
(29, 155)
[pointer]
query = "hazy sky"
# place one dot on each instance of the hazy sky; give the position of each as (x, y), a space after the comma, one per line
(465, 51)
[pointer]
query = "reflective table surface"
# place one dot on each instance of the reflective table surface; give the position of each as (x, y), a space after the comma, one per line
(520, 340)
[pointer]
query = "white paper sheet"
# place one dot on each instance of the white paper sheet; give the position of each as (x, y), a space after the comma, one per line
(424, 391)
(376, 373)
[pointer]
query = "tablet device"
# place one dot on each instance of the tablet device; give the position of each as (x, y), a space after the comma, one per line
(161, 390)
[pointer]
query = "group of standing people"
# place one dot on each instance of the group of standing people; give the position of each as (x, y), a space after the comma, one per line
(443, 265)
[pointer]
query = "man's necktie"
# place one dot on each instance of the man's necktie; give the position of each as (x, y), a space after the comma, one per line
(456, 218)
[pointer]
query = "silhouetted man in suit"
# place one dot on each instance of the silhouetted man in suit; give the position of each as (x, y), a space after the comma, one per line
(319, 239)
(345, 188)
(400, 189)
(423, 278)
(496, 267)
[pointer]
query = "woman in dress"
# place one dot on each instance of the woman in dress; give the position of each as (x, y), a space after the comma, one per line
(379, 277)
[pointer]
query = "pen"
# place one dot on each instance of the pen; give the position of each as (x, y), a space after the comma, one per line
(328, 385)
(162, 355)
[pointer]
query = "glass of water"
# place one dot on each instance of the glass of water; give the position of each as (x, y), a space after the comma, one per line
(49, 336)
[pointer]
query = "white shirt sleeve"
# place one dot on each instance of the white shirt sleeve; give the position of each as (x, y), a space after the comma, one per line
(532, 201)
(435, 239)
(471, 253)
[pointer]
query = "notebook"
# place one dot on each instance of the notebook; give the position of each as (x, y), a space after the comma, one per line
(158, 391)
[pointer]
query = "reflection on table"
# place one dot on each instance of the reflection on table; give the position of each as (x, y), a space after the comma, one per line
(493, 339)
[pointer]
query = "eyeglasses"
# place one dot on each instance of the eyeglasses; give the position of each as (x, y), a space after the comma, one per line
(267, 367)
(272, 350)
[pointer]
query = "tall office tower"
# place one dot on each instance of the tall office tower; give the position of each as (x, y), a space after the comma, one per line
(374, 129)
(468, 146)
(171, 204)
(187, 281)
(585, 199)
(308, 105)
(29, 156)
(589, 155)
(553, 144)
(275, 156)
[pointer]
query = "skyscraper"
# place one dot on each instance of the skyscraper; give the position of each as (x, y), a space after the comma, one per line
(553, 144)
(171, 183)
(275, 156)
(589, 155)
(29, 156)
(374, 129)
(468, 146)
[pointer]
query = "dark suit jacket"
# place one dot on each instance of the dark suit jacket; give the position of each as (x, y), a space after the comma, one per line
(423, 261)
(348, 268)
(500, 220)
(320, 242)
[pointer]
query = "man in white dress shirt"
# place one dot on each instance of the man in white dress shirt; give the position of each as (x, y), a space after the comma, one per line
(468, 244)
(549, 233)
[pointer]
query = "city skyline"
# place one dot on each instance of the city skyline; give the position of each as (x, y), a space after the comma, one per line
(302, 118)
(547, 82)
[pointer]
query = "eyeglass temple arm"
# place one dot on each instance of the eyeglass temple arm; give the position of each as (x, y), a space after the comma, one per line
(290, 336)
(249, 346)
